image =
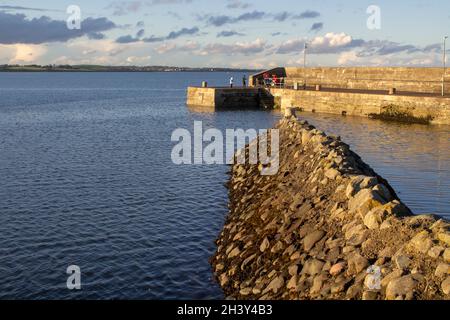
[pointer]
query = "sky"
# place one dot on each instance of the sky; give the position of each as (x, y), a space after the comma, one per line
(227, 33)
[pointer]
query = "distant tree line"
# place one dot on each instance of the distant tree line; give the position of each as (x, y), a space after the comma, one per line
(98, 68)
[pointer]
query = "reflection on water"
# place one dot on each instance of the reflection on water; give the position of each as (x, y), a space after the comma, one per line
(414, 158)
(201, 109)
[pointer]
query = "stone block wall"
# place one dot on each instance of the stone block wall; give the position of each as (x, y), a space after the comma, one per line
(201, 96)
(224, 97)
(373, 78)
(436, 109)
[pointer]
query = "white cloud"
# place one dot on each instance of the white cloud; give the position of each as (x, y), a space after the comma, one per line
(353, 58)
(245, 48)
(348, 57)
(88, 52)
(103, 52)
(138, 60)
(331, 40)
(255, 63)
(329, 43)
(426, 61)
(102, 47)
(7, 52)
(190, 46)
(291, 45)
(21, 53)
(166, 47)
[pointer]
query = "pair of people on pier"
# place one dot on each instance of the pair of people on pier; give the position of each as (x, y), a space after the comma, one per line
(244, 81)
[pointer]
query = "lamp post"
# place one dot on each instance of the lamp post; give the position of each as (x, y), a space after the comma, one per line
(444, 58)
(304, 65)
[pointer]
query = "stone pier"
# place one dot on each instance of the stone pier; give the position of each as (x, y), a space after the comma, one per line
(224, 98)
(326, 227)
(414, 108)
(403, 94)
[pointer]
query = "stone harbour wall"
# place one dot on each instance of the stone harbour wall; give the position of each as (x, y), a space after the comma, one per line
(326, 226)
(197, 96)
(372, 78)
(223, 97)
(435, 110)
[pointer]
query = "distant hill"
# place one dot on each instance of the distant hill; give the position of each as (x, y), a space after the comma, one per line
(98, 68)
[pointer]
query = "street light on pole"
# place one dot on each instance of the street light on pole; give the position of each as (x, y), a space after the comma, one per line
(304, 65)
(444, 60)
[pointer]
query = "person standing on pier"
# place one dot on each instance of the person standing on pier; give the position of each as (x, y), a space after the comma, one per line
(231, 82)
(244, 81)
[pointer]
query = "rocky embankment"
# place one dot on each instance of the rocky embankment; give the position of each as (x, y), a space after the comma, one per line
(326, 227)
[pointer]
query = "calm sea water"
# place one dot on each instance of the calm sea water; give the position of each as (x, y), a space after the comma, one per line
(86, 179)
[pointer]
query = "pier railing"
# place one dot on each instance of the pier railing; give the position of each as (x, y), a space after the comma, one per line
(272, 83)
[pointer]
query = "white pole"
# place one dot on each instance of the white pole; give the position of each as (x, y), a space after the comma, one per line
(304, 65)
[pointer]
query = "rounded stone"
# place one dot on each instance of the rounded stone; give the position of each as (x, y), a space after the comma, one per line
(275, 285)
(442, 269)
(293, 269)
(402, 261)
(264, 245)
(436, 251)
(444, 237)
(312, 267)
(421, 242)
(391, 276)
(235, 252)
(245, 291)
(337, 268)
(366, 199)
(311, 239)
(401, 288)
(446, 286)
(383, 191)
(357, 263)
(292, 284)
(447, 255)
(374, 218)
(369, 295)
(331, 174)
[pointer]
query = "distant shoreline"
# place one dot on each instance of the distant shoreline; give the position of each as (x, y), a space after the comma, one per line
(94, 68)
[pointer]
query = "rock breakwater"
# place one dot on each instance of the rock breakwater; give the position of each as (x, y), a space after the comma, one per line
(326, 227)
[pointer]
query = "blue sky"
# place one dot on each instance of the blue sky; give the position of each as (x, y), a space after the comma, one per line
(227, 33)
